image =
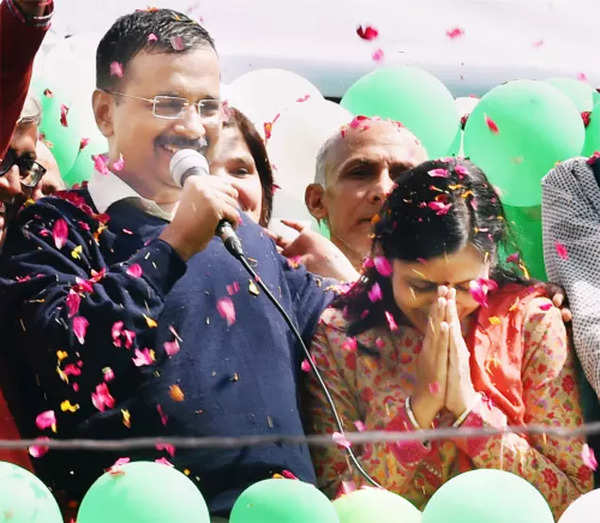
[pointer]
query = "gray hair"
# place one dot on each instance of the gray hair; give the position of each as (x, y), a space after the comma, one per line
(320, 169)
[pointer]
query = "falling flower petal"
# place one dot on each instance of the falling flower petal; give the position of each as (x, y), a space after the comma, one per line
(377, 55)
(152, 38)
(83, 143)
(143, 357)
(440, 208)
(305, 365)
(586, 116)
(101, 398)
(171, 347)
(100, 163)
(438, 173)
(167, 447)
(461, 171)
(455, 32)
(116, 69)
(64, 110)
(150, 322)
(176, 394)
(134, 270)
(126, 418)
(73, 301)
(80, 325)
(491, 124)
(119, 164)
(513, 258)
(177, 43)
(582, 77)
(288, 474)
(109, 374)
(340, 440)
(545, 307)
(391, 321)
(60, 233)
(360, 426)
(232, 289)
(561, 250)
(375, 293)
(163, 417)
(115, 468)
(588, 457)
(367, 32)
(383, 266)
(479, 289)
(164, 461)
(46, 420)
(226, 309)
(350, 344)
(37, 451)
(303, 99)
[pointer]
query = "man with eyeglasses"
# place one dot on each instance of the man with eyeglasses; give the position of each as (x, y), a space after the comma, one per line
(130, 317)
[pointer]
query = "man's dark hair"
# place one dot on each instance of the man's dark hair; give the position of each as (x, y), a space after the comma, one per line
(152, 31)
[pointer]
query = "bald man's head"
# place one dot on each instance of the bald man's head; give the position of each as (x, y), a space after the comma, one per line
(356, 168)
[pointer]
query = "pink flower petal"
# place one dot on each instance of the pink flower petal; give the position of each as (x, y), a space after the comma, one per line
(538, 43)
(367, 33)
(434, 388)
(375, 293)
(46, 420)
(115, 469)
(350, 344)
(491, 124)
(143, 357)
(167, 447)
(60, 233)
(73, 301)
(171, 347)
(64, 110)
(440, 208)
(513, 258)
(305, 365)
(115, 332)
(377, 55)
(109, 374)
(479, 289)
(164, 461)
(368, 263)
(100, 163)
(152, 38)
(455, 32)
(177, 43)
(340, 440)
(360, 426)
(116, 69)
(383, 266)
(37, 451)
(119, 164)
(582, 77)
(83, 143)
(588, 457)
(163, 417)
(461, 171)
(303, 99)
(561, 250)
(226, 309)
(287, 474)
(391, 321)
(379, 343)
(135, 270)
(80, 325)
(232, 289)
(101, 398)
(438, 173)
(546, 307)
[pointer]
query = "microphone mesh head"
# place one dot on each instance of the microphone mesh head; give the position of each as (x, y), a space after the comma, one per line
(186, 162)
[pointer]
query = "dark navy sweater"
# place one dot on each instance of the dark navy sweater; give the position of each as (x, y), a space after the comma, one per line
(240, 379)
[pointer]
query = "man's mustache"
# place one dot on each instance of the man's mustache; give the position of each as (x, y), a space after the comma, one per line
(199, 145)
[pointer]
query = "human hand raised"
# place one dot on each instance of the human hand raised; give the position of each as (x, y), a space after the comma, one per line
(460, 393)
(432, 363)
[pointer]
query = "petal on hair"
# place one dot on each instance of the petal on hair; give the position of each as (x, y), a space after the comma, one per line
(491, 124)
(226, 309)
(438, 173)
(60, 233)
(383, 266)
(80, 325)
(375, 293)
(340, 440)
(46, 420)
(367, 32)
(152, 38)
(455, 32)
(461, 170)
(588, 457)
(116, 69)
(440, 208)
(561, 250)
(513, 258)
(177, 43)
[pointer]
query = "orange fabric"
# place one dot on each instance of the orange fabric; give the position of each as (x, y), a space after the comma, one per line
(8, 430)
(497, 348)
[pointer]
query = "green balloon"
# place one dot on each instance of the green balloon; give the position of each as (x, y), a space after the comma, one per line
(454, 149)
(83, 168)
(411, 96)
(487, 496)
(282, 501)
(24, 498)
(592, 131)
(143, 492)
(526, 225)
(537, 126)
(370, 504)
(580, 93)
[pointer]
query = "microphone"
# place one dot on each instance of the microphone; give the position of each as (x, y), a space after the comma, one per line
(189, 162)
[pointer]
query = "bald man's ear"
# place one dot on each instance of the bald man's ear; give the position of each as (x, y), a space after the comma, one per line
(103, 104)
(313, 197)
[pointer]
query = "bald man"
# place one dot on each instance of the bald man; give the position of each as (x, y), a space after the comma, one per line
(356, 169)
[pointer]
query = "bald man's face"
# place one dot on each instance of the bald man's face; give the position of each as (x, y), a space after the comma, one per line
(360, 169)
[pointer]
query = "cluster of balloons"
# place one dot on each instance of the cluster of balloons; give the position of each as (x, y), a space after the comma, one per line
(149, 492)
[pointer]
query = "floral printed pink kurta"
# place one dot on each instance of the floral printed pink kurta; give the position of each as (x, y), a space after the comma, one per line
(371, 387)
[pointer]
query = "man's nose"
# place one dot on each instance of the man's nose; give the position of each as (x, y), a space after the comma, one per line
(381, 188)
(191, 124)
(10, 185)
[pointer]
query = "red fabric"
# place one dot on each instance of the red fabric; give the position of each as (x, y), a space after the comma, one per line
(497, 349)
(8, 430)
(19, 42)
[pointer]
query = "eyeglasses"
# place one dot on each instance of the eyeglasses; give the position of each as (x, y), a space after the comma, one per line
(174, 107)
(31, 171)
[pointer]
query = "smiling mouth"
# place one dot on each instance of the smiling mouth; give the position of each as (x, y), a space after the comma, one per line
(200, 146)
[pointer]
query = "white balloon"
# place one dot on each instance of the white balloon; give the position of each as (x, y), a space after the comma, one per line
(584, 509)
(465, 105)
(264, 93)
(296, 138)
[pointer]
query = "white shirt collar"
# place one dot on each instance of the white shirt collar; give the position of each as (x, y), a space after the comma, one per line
(106, 189)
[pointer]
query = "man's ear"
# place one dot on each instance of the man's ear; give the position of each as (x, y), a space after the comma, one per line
(103, 104)
(314, 200)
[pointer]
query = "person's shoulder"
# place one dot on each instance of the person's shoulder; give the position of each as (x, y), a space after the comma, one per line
(572, 170)
(333, 318)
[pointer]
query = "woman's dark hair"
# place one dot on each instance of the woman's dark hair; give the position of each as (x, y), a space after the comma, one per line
(436, 208)
(151, 30)
(256, 146)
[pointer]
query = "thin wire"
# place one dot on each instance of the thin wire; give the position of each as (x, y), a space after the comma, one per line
(322, 440)
(316, 372)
